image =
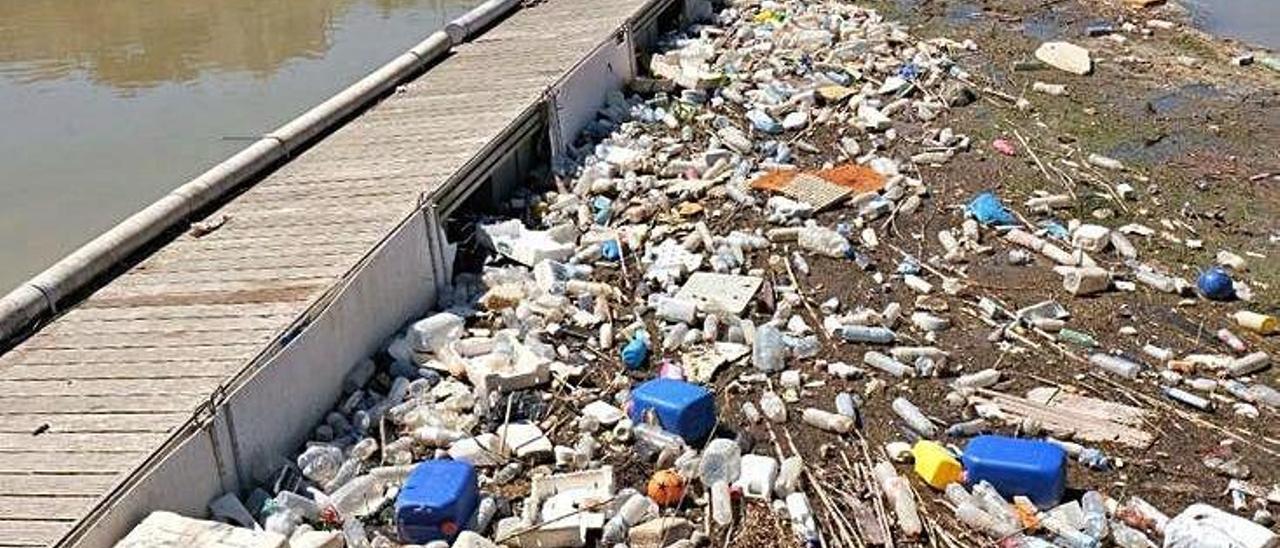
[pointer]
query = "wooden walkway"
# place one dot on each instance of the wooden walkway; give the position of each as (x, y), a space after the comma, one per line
(91, 395)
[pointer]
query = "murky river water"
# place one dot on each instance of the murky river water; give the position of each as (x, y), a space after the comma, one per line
(1253, 21)
(107, 105)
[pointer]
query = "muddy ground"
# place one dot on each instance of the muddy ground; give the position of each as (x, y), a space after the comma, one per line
(1201, 142)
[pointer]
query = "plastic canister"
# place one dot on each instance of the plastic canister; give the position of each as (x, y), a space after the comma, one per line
(758, 475)
(682, 408)
(935, 465)
(1014, 466)
(437, 501)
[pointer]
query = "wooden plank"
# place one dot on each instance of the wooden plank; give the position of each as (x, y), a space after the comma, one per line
(84, 485)
(15, 507)
(98, 442)
(32, 532)
(188, 354)
(175, 339)
(107, 387)
(68, 463)
(98, 422)
(98, 404)
(122, 370)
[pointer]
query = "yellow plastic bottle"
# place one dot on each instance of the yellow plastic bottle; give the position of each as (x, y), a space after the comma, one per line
(935, 464)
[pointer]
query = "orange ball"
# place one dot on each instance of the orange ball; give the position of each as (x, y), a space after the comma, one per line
(666, 487)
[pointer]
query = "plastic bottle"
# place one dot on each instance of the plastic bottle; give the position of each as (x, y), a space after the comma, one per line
(721, 461)
(676, 310)
(971, 515)
(772, 406)
(769, 352)
(1116, 365)
(914, 418)
(824, 241)
(980, 379)
(1127, 537)
(1140, 514)
(320, 463)
(789, 473)
(750, 412)
(1247, 365)
(354, 534)
(993, 503)
(968, 428)
(900, 497)
(655, 438)
(846, 405)
(1077, 338)
(1156, 281)
(721, 503)
(634, 510)
(830, 422)
(801, 516)
(1095, 514)
(435, 436)
(435, 331)
(359, 497)
(866, 334)
(887, 364)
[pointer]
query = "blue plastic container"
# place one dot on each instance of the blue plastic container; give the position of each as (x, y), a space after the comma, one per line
(437, 501)
(684, 409)
(1035, 469)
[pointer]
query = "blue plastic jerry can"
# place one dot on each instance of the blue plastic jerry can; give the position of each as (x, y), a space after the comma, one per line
(1014, 466)
(683, 408)
(437, 501)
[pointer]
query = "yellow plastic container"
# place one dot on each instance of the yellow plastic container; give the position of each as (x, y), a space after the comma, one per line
(935, 465)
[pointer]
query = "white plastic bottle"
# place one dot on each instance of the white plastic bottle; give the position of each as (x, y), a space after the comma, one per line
(721, 503)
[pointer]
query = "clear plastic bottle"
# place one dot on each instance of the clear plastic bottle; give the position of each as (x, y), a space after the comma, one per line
(1116, 365)
(721, 461)
(969, 514)
(866, 334)
(914, 418)
(901, 498)
(435, 436)
(769, 352)
(887, 364)
(485, 511)
(824, 241)
(993, 503)
(721, 503)
(1095, 514)
(801, 516)
(655, 438)
(772, 406)
(435, 331)
(846, 405)
(1127, 537)
(359, 497)
(320, 463)
(354, 534)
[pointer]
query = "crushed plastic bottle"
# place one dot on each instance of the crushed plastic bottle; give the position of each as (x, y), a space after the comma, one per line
(721, 461)
(769, 352)
(824, 241)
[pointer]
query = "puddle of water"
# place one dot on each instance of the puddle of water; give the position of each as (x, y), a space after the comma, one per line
(1160, 149)
(108, 105)
(1167, 102)
(1044, 25)
(1253, 21)
(961, 13)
